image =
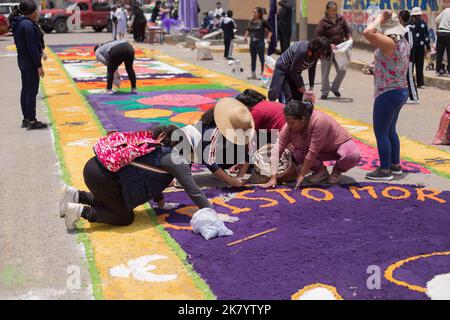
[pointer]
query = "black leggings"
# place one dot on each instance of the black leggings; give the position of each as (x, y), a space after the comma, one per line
(257, 49)
(120, 53)
(443, 44)
(105, 202)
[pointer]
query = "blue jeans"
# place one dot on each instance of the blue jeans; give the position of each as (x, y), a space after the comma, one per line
(257, 49)
(386, 109)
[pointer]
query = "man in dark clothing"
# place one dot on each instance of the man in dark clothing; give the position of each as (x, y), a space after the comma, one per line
(228, 25)
(284, 24)
(287, 82)
(139, 24)
(29, 54)
(421, 44)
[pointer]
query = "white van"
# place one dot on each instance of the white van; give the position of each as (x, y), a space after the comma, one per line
(6, 8)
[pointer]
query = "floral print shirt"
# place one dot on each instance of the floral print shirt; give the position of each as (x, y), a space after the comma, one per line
(390, 72)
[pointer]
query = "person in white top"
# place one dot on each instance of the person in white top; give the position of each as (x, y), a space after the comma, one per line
(121, 15)
(219, 9)
(443, 40)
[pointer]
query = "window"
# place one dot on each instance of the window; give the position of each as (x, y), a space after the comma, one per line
(83, 6)
(101, 6)
(4, 10)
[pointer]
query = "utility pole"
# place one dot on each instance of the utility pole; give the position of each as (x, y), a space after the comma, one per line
(302, 16)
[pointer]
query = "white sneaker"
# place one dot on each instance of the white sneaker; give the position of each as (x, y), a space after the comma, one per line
(70, 195)
(412, 101)
(73, 214)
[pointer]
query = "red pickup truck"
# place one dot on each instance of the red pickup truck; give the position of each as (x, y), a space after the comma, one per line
(92, 14)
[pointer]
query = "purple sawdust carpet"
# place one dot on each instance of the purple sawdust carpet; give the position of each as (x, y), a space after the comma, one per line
(331, 242)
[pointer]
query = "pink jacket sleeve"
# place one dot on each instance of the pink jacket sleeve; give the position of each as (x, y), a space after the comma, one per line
(319, 134)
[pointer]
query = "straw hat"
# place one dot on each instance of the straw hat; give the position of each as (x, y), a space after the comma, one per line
(416, 11)
(393, 26)
(234, 121)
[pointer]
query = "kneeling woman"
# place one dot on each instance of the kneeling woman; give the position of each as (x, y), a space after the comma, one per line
(114, 195)
(316, 137)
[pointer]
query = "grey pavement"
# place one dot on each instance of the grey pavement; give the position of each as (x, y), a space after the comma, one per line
(36, 251)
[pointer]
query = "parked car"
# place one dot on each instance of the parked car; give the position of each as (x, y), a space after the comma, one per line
(4, 25)
(93, 14)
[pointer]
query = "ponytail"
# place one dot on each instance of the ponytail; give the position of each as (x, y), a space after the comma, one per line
(250, 98)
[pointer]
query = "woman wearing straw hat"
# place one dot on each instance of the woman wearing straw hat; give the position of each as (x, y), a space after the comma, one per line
(391, 89)
(220, 140)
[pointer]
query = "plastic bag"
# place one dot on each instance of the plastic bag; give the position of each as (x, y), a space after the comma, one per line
(443, 133)
(209, 224)
(343, 53)
(269, 67)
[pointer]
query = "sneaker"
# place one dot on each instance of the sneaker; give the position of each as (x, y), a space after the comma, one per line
(379, 174)
(36, 125)
(319, 176)
(412, 101)
(396, 170)
(323, 97)
(25, 123)
(337, 93)
(422, 87)
(253, 77)
(109, 91)
(334, 178)
(73, 214)
(70, 194)
(134, 91)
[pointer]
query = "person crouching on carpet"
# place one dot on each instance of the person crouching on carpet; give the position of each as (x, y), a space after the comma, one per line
(220, 140)
(316, 137)
(112, 54)
(112, 196)
(27, 39)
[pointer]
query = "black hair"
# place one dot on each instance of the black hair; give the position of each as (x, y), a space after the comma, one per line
(97, 46)
(207, 118)
(321, 44)
(331, 4)
(27, 7)
(405, 15)
(250, 98)
(223, 14)
(218, 2)
(168, 130)
(230, 14)
(299, 109)
(260, 12)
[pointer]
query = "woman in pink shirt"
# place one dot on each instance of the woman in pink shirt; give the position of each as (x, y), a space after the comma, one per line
(316, 137)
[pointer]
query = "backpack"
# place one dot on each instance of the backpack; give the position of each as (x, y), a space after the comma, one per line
(119, 149)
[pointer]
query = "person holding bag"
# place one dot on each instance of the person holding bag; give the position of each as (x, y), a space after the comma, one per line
(335, 28)
(115, 191)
